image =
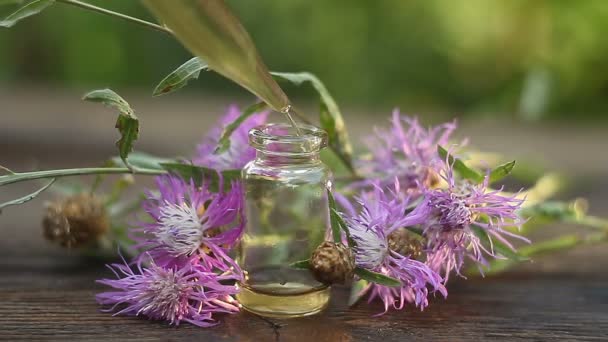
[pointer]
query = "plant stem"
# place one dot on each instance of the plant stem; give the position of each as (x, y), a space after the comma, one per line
(93, 8)
(27, 176)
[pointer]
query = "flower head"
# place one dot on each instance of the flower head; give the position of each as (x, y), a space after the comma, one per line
(406, 151)
(382, 214)
(187, 293)
(239, 153)
(192, 222)
(76, 221)
(457, 211)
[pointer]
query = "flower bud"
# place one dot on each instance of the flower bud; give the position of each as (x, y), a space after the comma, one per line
(75, 221)
(332, 263)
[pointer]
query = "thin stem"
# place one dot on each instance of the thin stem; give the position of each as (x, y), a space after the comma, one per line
(93, 8)
(27, 176)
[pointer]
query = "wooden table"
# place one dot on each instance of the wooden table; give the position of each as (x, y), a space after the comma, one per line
(48, 294)
(51, 298)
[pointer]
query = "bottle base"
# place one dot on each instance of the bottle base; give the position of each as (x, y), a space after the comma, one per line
(271, 300)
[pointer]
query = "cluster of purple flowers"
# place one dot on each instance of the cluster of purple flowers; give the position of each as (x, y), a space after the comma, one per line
(184, 271)
(408, 186)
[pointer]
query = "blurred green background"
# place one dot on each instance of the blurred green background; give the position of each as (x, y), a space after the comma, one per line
(541, 59)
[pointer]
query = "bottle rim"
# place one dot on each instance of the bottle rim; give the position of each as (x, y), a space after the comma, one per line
(282, 138)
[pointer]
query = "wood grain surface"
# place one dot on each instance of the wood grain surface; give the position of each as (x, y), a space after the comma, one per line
(47, 293)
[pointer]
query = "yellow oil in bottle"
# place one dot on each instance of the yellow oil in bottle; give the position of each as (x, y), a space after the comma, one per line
(284, 299)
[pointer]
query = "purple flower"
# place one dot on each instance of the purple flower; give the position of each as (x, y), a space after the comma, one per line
(380, 215)
(191, 223)
(239, 153)
(406, 151)
(188, 293)
(459, 209)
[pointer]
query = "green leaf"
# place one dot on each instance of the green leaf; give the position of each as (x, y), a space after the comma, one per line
(330, 116)
(26, 198)
(198, 173)
(144, 160)
(497, 246)
(180, 76)
(334, 218)
(127, 123)
(337, 222)
(558, 244)
(344, 227)
(356, 291)
(377, 278)
(501, 171)
(302, 264)
(460, 167)
(224, 142)
(26, 11)
(555, 211)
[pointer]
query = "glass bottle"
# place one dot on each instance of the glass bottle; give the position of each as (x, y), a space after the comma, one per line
(287, 217)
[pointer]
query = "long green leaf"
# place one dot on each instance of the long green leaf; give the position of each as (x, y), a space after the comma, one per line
(198, 174)
(344, 227)
(377, 278)
(460, 166)
(501, 171)
(334, 218)
(212, 32)
(26, 11)
(180, 76)
(126, 123)
(330, 116)
(497, 246)
(26, 198)
(224, 142)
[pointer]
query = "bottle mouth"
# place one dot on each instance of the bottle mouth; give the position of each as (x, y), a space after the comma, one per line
(282, 139)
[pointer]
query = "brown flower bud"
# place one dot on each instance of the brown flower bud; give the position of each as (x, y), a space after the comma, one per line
(75, 221)
(332, 263)
(406, 243)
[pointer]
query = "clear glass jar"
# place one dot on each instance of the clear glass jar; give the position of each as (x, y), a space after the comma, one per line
(287, 217)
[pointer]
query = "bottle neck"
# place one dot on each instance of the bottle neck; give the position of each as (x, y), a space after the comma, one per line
(283, 159)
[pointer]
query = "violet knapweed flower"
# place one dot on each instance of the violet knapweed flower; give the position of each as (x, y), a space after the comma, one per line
(192, 222)
(457, 211)
(382, 214)
(406, 151)
(239, 153)
(179, 293)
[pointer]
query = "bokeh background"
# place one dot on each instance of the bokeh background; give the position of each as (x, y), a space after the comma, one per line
(541, 59)
(527, 79)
